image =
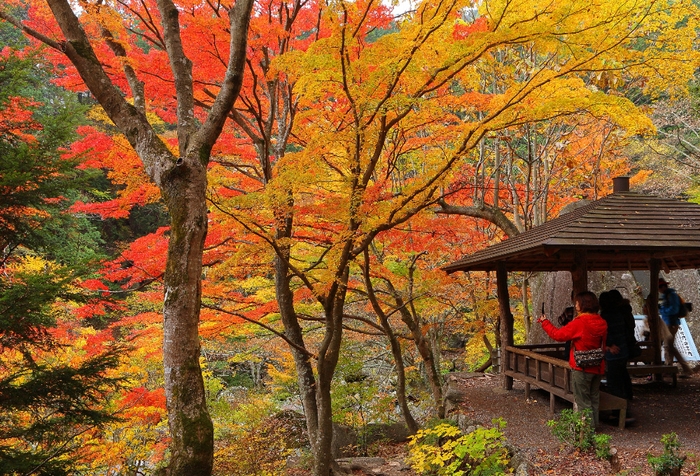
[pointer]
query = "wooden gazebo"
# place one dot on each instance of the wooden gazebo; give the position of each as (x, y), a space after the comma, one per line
(624, 231)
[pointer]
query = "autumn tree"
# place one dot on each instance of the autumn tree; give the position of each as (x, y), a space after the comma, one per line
(523, 175)
(135, 58)
(384, 122)
(385, 118)
(401, 275)
(669, 160)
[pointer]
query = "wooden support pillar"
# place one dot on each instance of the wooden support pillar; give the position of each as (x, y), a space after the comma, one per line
(652, 303)
(579, 272)
(506, 321)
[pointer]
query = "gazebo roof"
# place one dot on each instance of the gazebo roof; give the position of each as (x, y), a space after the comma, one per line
(622, 231)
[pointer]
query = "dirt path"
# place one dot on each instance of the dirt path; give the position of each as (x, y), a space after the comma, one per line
(657, 407)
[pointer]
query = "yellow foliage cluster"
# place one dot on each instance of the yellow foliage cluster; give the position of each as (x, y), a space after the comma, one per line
(444, 451)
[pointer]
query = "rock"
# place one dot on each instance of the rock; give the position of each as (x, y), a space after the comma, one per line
(294, 426)
(347, 439)
(393, 432)
(455, 395)
(344, 440)
(400, 465)
(465, 422)
(518, 459)
(522, 470)
(366, 464)
(457, 376)
(457, 340)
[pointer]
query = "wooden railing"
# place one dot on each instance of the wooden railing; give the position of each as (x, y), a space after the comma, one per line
(540, 365)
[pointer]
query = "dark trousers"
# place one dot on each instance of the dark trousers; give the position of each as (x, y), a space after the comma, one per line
(618, 379)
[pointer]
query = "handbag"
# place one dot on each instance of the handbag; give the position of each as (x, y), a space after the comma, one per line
(589, 358)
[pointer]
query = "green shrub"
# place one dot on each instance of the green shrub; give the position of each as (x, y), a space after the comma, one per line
(574, 428)
(669, 461)
(444, 450)
(602, 446)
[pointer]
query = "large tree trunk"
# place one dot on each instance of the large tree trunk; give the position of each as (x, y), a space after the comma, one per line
(323, 439)
(315, 388)
(191, 429)
(328, 355)
(302, 360)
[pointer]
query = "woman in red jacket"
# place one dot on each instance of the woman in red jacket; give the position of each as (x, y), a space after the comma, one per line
(586, 332)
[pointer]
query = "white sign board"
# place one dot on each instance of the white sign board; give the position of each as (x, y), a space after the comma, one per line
(684, 341)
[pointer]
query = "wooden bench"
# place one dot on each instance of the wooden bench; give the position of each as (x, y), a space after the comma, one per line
(537, 365)
(650, 369)
(643, 365)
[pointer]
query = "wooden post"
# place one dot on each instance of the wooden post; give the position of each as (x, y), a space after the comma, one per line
(506, 321)
(579, 272)
(653, 309)
(552, 403)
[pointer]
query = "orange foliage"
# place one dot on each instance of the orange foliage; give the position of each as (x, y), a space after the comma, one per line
(143, 260)
(102, 151)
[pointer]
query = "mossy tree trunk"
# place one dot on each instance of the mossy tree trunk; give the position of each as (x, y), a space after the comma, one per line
(315, 368)
(315, 387)
(426, 352)
(191, 427)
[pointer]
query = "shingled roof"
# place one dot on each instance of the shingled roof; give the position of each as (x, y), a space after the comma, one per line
(622, 231)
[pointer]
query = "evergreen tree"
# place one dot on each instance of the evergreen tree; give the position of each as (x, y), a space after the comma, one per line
(45, 401)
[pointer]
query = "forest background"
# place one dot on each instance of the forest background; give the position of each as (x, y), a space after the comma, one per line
(179, 268)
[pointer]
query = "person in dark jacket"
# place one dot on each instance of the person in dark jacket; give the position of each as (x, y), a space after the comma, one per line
(586, 332)
(620, 347)
(617, 312)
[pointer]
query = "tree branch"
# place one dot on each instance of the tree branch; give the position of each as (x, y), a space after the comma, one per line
(239, 18)
(493, 215)
(264, 326)
(156, 156)
(30, 31)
